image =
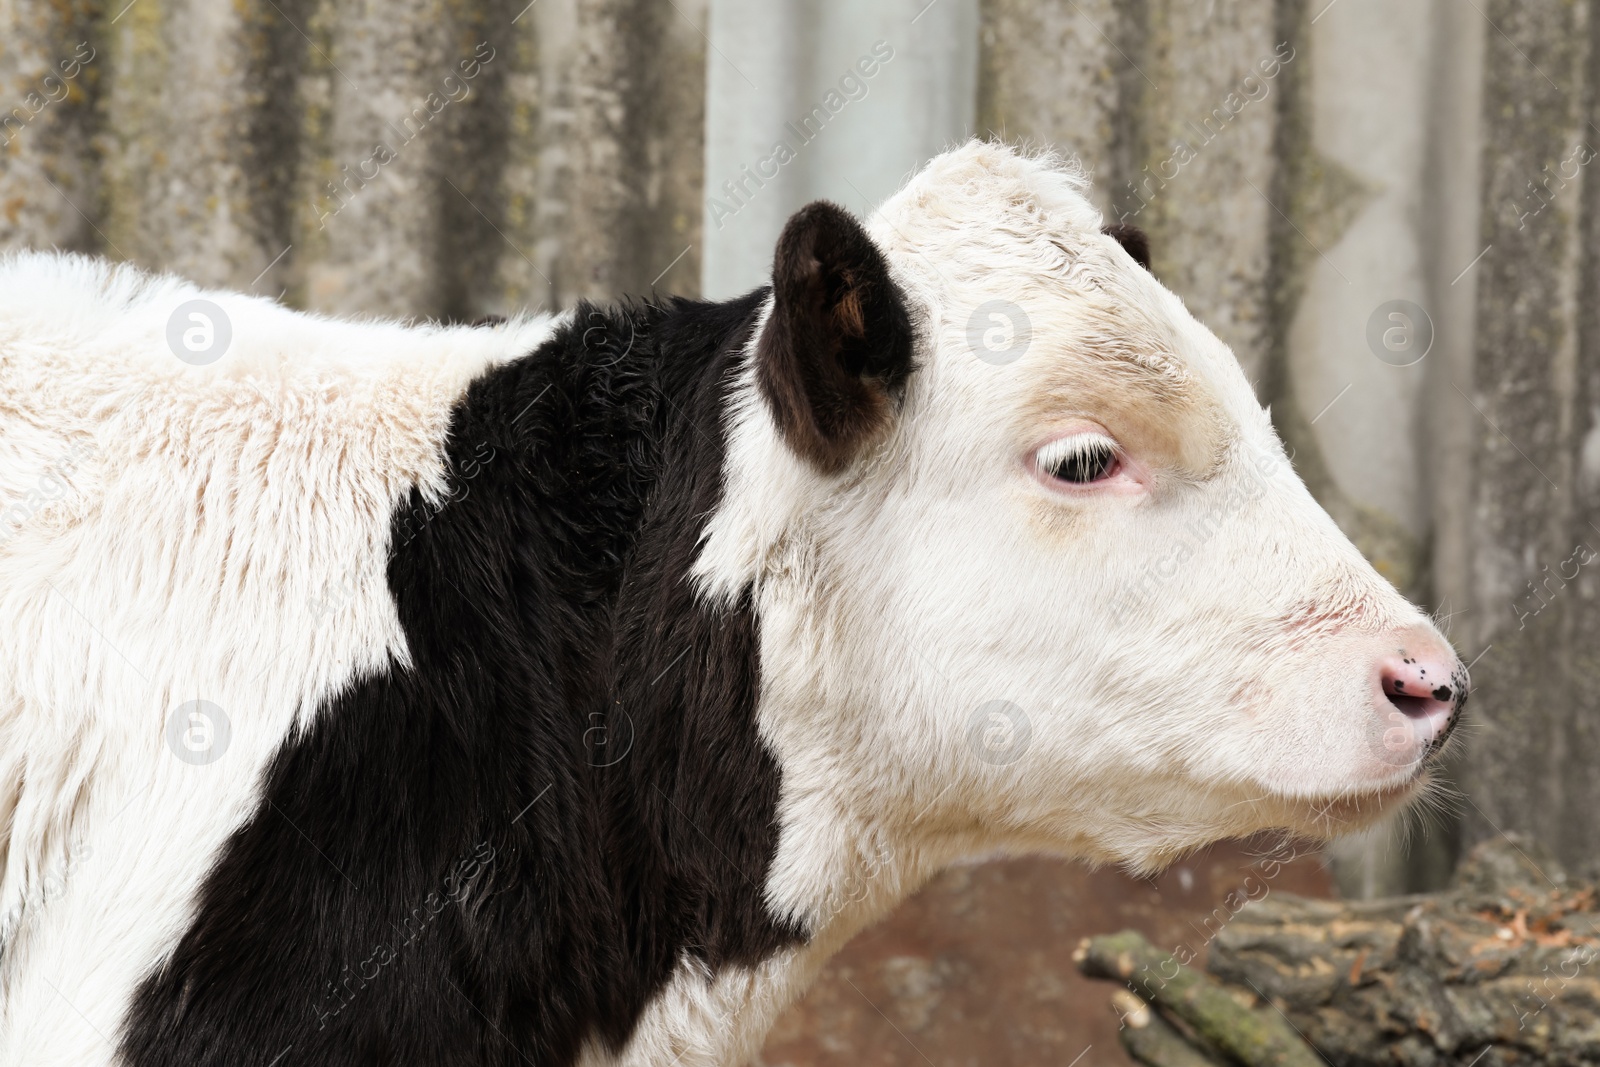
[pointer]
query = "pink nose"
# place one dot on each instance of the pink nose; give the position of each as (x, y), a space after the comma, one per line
(1426, 683)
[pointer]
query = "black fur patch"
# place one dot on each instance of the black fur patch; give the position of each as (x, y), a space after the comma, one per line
(1133, 240)
(505, 849)
(838, 345)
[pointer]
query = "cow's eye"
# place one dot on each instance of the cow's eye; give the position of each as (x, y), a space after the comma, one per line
(1080, 459)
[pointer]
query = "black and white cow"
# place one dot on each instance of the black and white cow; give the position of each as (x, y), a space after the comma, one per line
(566, 690)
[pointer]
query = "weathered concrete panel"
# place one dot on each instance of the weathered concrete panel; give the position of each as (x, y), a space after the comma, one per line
(1053, 74)
(622, 145)
(826, 100)
(1531, 767)
(174, 158)
(439, 158)
(1172, 106)
(1370, 63)
(382, 175)
(1205, 126)
(50, 71)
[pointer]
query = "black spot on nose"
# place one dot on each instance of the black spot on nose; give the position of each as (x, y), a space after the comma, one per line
(1399, 684)
(1442, 693)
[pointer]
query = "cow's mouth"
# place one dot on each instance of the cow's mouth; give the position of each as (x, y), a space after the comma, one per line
(1345, 813)
(1332, 815)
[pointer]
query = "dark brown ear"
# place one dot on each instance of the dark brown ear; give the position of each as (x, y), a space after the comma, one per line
(837, 349)
(1133, 240)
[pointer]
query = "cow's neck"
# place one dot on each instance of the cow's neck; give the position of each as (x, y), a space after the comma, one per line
(690, 792)
(780, 877)
(686, 793)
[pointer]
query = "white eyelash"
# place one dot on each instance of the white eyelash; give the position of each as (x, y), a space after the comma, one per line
(1057, 452)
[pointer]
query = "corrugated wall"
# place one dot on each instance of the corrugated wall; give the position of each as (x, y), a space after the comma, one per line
(1307, 170)
(415, 158)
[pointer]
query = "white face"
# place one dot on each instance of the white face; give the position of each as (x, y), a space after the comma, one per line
(1076, 597)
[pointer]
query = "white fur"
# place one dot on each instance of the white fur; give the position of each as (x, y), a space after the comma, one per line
(192, 486)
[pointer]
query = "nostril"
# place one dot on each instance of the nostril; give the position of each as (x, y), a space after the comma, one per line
(1421, 686)
(1409, 692)
(1422, 689)
(1410, 706)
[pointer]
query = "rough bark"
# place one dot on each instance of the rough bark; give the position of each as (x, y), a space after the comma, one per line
(1218, 1021)
(1498, 970)
(1153, 1041)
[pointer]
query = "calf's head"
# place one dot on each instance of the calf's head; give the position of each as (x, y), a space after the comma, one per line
(1032, 567)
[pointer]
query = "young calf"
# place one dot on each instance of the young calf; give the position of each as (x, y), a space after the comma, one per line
(565, 691)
